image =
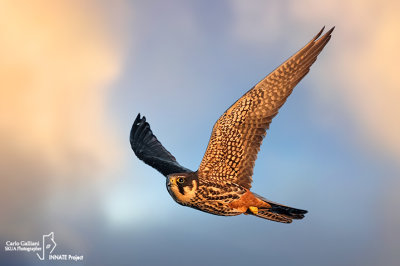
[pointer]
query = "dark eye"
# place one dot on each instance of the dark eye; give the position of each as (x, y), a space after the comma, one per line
(180, 180)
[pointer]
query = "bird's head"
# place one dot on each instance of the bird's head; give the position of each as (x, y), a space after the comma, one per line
(182, 187)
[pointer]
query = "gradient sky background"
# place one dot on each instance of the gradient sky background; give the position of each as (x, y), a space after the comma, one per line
(74, 74)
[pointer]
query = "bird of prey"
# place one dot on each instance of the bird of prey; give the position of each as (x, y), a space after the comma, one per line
(221, 185)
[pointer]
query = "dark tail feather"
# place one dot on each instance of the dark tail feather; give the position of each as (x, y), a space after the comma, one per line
(287, 211)
(279, 213)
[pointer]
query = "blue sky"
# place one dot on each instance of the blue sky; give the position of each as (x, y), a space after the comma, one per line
(332, 150)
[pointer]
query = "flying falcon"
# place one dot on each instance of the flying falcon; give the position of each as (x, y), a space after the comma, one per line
(221, 185)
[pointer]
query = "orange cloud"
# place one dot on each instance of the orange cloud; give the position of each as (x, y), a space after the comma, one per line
(56, 63)
(57, 60)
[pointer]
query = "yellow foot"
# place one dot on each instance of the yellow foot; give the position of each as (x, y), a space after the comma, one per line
(253, 209)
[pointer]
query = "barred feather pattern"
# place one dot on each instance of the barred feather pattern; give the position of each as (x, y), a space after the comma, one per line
(237, 135)
(214, 198)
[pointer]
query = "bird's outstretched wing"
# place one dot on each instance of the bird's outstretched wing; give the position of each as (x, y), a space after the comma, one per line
(148, 149)
(237, 135)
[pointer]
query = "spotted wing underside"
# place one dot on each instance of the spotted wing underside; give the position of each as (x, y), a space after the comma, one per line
(149, 149)
(237, 135)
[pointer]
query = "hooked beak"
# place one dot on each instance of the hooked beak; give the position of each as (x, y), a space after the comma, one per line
(171, 181)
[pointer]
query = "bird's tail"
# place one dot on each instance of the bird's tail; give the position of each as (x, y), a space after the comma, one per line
(278, 212)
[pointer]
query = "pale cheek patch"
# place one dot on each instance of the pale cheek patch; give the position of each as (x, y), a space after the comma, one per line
(189, 193)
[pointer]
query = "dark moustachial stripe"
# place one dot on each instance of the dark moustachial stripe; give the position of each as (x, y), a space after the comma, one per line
(181, 190)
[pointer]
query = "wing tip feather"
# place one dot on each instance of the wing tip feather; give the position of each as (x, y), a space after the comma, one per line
(136, 130)
(326, 36)
(319, 33)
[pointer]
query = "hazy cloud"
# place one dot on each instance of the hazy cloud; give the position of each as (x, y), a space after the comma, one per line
(361, 65)
(358, 82)
(57, 60)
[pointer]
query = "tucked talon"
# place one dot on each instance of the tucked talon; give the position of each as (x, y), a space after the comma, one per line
(253, 209)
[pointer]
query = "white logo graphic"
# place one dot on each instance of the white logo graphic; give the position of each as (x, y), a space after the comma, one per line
(44, 251)
(47, 244)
